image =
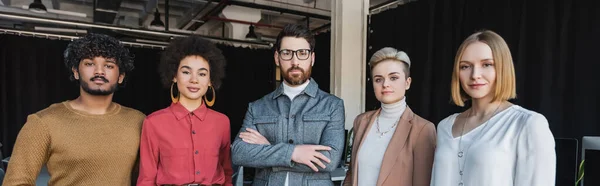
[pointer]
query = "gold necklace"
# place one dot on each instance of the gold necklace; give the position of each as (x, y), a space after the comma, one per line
(390, 129)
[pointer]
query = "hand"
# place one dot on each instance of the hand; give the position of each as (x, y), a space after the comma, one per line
(307, 155)
(253, 137)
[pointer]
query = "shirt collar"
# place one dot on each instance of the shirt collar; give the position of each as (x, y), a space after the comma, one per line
(180, 111)
(310, 90)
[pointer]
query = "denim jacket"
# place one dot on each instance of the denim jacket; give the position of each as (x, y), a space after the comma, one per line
(313, 117)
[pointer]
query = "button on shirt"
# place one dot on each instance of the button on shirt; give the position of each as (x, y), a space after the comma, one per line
(182, 147)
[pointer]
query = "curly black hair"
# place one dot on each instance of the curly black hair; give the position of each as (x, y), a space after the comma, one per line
(181, 48)
(97, 45)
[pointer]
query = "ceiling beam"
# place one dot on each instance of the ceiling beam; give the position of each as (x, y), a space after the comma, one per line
(212, 12)
(27, 13)
(129, 7)
(164, 34)
(244, 22)
(55, 4)
(79, 2)
(191, 14)
(180, 4)
(277, 9)
(106, 11)
(321, 28)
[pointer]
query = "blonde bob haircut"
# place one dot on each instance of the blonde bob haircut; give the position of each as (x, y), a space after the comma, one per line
(505, 87)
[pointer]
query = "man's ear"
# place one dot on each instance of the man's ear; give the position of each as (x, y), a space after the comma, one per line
(121, 78)
(276, 58)
(313, 59)
(75, 73)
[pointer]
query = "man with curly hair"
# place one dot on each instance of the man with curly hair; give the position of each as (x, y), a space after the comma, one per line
(89, 140)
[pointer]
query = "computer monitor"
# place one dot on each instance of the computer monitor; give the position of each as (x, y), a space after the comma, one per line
(590, 152)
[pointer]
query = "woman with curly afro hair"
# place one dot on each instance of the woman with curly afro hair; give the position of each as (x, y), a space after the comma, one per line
(188, 143)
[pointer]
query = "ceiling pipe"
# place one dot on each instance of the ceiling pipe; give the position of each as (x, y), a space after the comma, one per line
(199, 22)
(187, 19)
(59, 36)
(297, 5)
(243, 22)
(60, 12)
(277, 9)
(386, 5)
(210, 13)
(155, 33)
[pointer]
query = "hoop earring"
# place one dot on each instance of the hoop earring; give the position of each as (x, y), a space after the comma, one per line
(173, 98)
(211, 102)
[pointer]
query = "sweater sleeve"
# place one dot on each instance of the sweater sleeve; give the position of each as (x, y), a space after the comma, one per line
(29, 154)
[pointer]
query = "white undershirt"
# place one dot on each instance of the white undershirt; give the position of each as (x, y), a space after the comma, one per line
(370, 154)
(515, 147)
(292, 92)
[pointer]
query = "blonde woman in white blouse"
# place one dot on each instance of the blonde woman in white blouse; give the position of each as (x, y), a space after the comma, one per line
(494, 142)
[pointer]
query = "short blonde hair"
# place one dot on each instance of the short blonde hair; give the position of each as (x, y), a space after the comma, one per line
(505, 88)
(391, 54)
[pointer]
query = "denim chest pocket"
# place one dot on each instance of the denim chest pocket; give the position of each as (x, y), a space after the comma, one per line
(314, 125)
(267, 126)
(323, 182)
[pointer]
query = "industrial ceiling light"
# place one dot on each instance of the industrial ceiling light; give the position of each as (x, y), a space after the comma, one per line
(157, 22)
(37, 6)
(251, 34)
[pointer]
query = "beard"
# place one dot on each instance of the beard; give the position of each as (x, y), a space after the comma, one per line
(97, 92)
(297, 79)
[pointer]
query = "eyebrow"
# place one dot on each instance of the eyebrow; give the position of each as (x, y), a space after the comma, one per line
(486, 59)
(106, 60)
(392, 73)
(188, 67)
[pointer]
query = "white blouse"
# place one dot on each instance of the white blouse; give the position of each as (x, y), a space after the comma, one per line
(515, 147)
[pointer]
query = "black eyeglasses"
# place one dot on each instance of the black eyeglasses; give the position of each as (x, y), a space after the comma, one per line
(301, 54)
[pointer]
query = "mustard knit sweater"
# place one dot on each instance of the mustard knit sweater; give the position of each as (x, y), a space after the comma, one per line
(77, 148)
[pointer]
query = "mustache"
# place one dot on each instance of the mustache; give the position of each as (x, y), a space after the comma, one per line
(99, 77)
(295, 68)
